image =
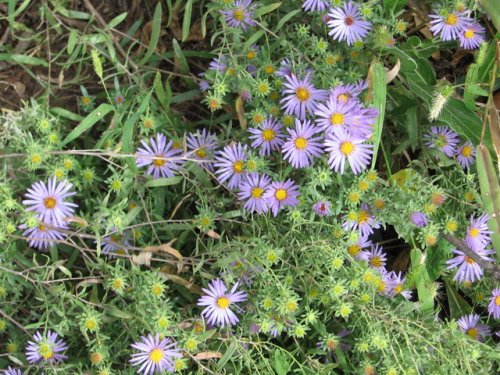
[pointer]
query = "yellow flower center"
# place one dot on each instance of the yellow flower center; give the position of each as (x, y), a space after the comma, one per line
(258, 118)
(474, 232)
(269, 69)
(42, 228)
(49, 202)
(238, 166)
(343, 98)
(469, 33)
(86, 100)
(469, 260)
(497, 300)
(257, 192)
(201, 153)
(354, 250)
(291, 306)
(280, 194)
(90, 324)
(214, 104)
(156, 355)
(379, 203)
(223, 302)
(347, 148)
(118, 284)
(268, 135)
(157, 289)
(363, 216)
(451, 226)
(451, 20)
(441, 141)
(239, 14)
(251, 55)
(148, 123)
(263, 88)
(337, 119)
(158, 162)
(376, 261)
(472, 332)
(302, 94)
(46, 351)
(300, 143)
(398, 288)
(466, 151)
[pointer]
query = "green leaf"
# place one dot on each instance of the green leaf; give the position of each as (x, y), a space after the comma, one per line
(92, 118)
(72, 39)
(286, 18)
(379, 87)
(458, 306)
(186, 22)
(266, 9)
(23, 59)
(66, 114)
(155, 33)
(490, 194)
(227, 355)
(253, 39)
(184, 97)
(422, 280)
(167, 181)
(436, 257)
(394, 6)
(280, 363)
(491, 7)
(179, 55)
(117, 20)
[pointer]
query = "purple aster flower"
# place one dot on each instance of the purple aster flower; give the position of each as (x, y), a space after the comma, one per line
(200, 146)
(281, 194)
(49, 201)
(419, 219)
(240, 15)
(219, 64)
(155, 355)
(301, 146)
(465, 154)
(468, 271)
(362, 220)
(115, 243)
(203, 85)
(246, 94)
(442, 138)
(252, 190)
(160, 157)
(268, 137)
(472, 36)
(448, 26)
(301, 96)
(315, 5)
(343, 146)
(322, 208)
(230, 164)
(43, 235)
(478, 235)
(356, 249)
(347, 24)
(397, 285)
(285, 68)
(219, 301)
(377, 257)
(494, 305)
(335, 114)
(344, 93)
(12, 371)
(471, 326)
(46, 349)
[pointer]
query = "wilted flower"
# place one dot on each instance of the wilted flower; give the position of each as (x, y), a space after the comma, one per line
(218, 301)
(322, 208)
(200, 146)
(362, 220)
(49, 201)
(346, 23)
(301, 146)
(419, 219)
(471, 326)
(46, 349)
(155, 355)
(285, 68)
(162, 159)
(219, 64)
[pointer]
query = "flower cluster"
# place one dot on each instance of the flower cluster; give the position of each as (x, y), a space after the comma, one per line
(457, 25)
(447, 141)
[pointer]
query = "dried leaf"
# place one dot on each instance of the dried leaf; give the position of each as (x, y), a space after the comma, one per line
(181, 281)
(165, 248)
(207, 355)
(213, 234)
(240, 110)
(391, 74)
(144, 258)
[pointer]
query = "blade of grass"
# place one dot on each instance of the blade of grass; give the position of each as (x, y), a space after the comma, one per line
(92, 118)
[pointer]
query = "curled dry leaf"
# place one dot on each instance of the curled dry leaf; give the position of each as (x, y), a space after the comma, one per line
(207, 355)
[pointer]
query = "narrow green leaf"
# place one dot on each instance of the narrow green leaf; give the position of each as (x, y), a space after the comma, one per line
(184, 97)
(155, 33)
(186, 22)
(490, 194)
(160, 91)
(167, 181)
(92, 118)
(117, 20)
(72, 39)
(458, 306)
(179, 55)
(379, 87)
(253, 39)
(266, 9)
(66, 114)
(422, 281)
(286, 18)
(227, 355)
(23, 59)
